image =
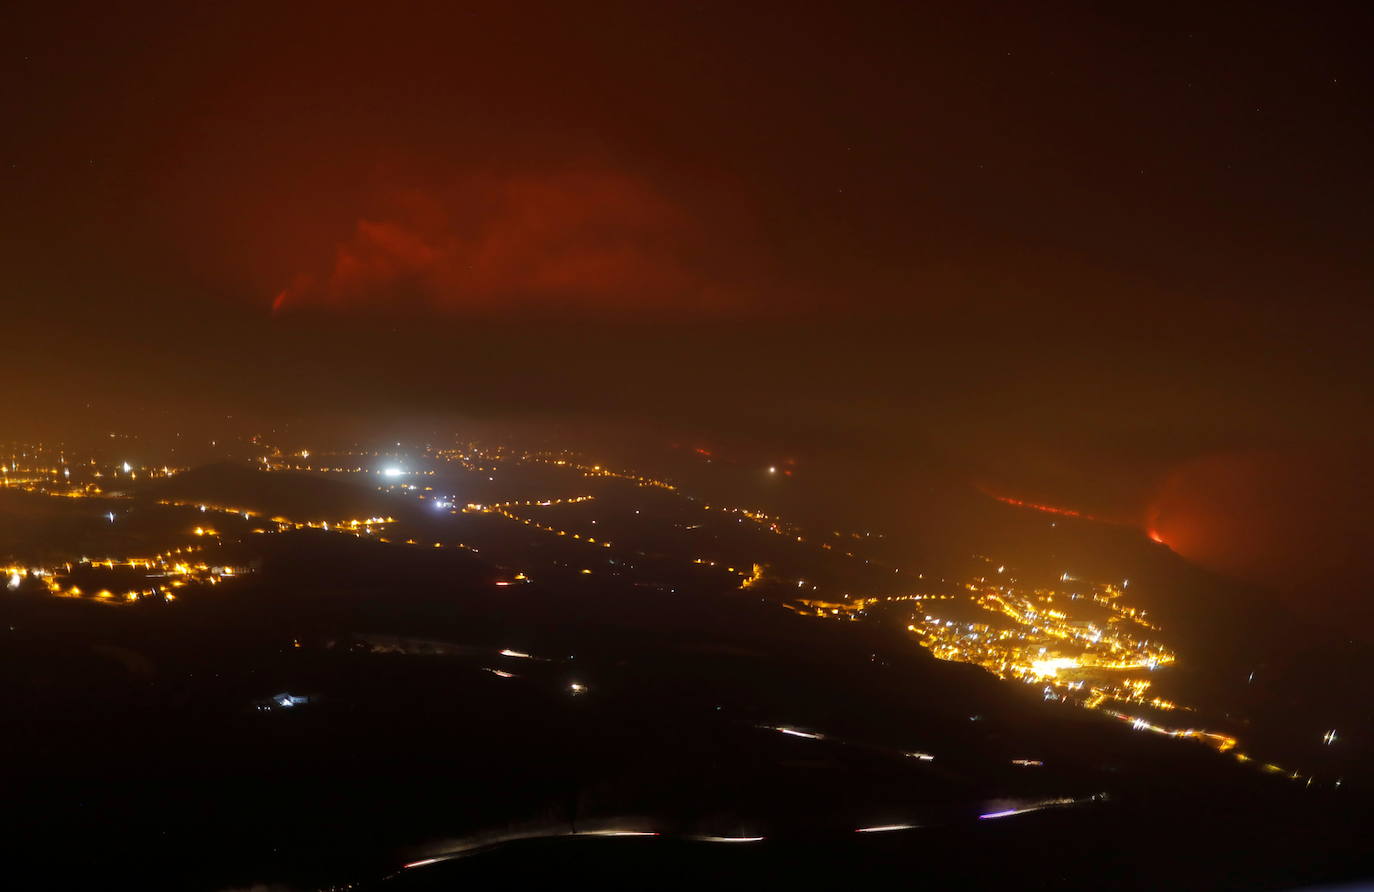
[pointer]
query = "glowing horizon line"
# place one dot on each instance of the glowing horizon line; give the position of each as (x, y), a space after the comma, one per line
(1048, 509)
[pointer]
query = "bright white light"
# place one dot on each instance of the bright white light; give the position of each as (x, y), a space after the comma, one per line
(730, 838)
(887, 828)
(1051, 667)
(127, 467)
(1048, 803)
(772, 469)
(420, 863)
(515, 653)
(795, 733)
(577, 688)
(392, 472)
(15, 579)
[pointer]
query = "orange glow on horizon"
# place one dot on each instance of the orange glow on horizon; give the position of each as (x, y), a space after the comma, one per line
(1048, 509)
(1150, 530)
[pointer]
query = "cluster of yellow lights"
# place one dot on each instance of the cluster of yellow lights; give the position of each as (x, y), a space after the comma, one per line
(769, 522)
(473, 507)
(358, 526)
(172, 570)
(1037, 649)
(754, 577)
(530, 522)
(565, 461)
(487, 459)
(1046, 645)
(1074, 659)
(332, 463)
(36, 467)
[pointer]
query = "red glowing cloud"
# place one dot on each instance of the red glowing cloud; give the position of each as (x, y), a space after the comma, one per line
(583, 240)
(1292, 520)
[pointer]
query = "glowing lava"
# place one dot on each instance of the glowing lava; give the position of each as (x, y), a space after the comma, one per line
(1048, 509)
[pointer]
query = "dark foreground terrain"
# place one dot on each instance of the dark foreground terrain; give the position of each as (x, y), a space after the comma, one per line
(288, 698)
(143, 746)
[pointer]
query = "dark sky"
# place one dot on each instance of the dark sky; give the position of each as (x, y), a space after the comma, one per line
(1064, 250)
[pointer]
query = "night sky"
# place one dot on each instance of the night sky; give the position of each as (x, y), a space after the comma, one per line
(1113, 257)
